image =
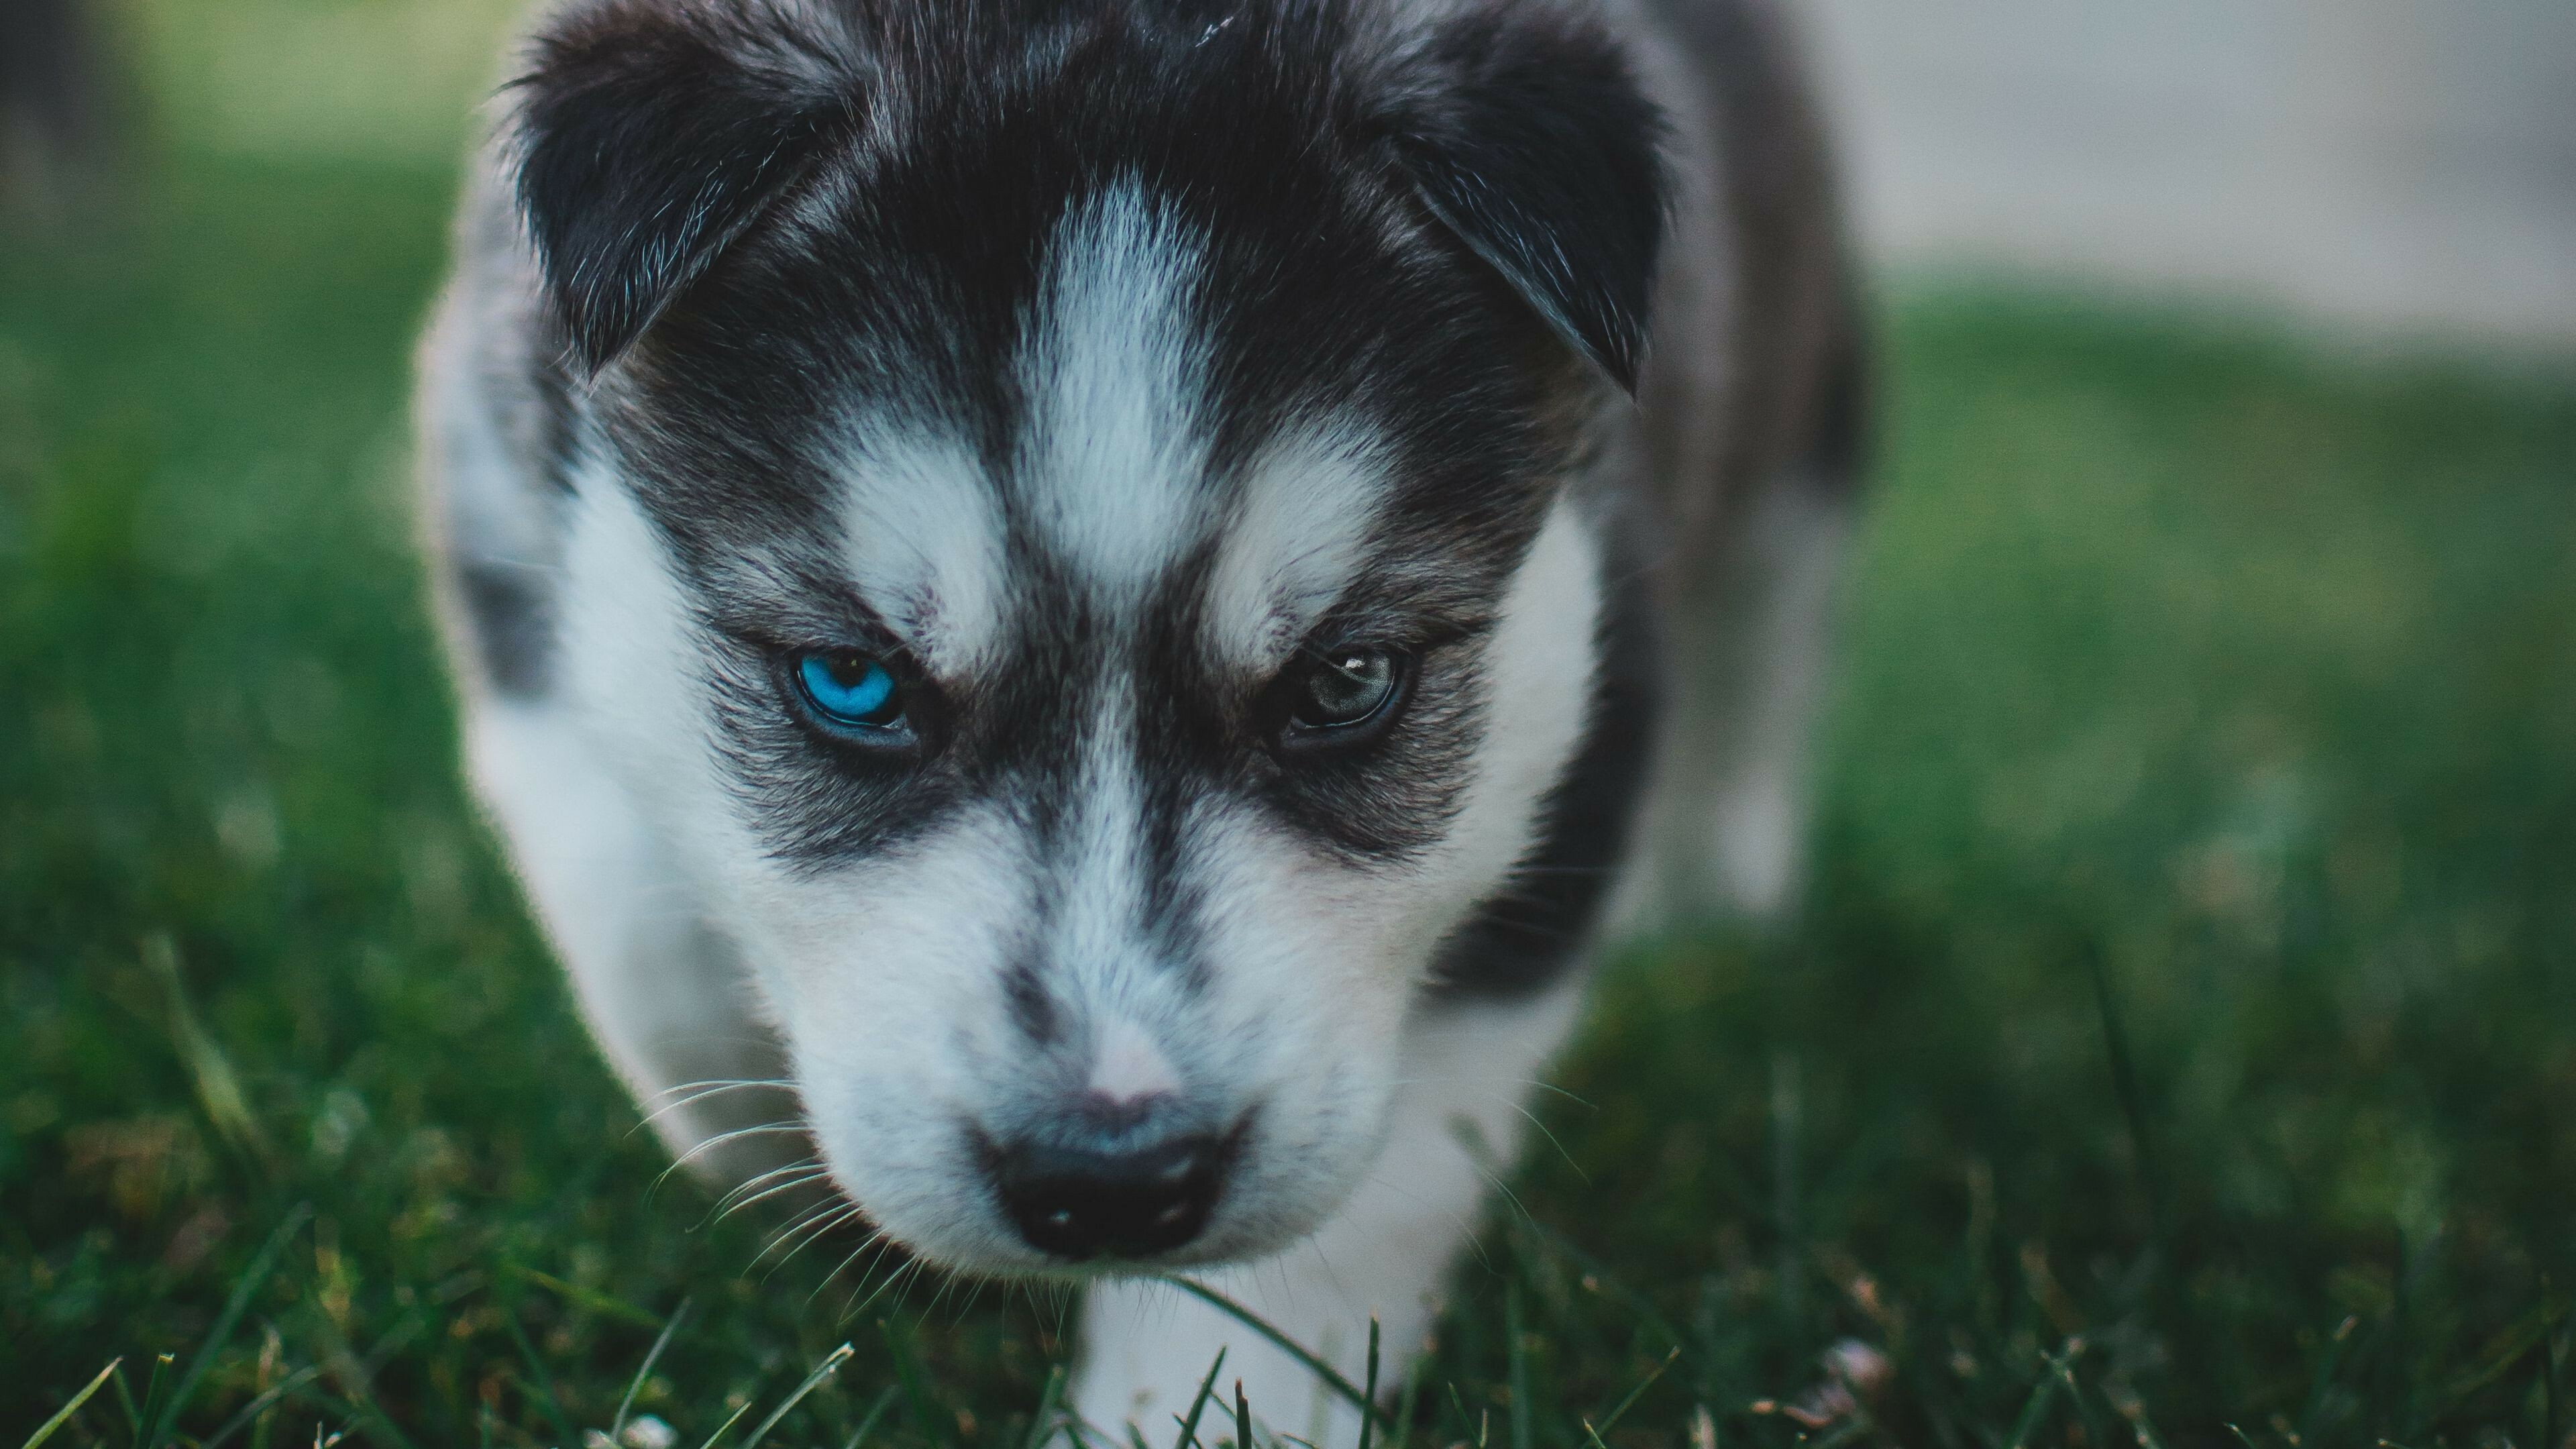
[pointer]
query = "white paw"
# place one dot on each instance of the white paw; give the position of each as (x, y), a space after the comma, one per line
(1147, 1349)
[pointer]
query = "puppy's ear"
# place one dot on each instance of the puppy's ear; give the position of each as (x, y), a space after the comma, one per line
(648, 135)
(1528, 137)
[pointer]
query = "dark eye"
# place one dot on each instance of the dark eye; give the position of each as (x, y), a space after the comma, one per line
(850, 692)
(1340, 693)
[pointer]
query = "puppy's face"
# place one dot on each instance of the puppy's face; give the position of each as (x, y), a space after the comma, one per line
(1108, 622)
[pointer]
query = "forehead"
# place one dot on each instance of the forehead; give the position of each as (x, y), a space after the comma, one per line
(1057, 346)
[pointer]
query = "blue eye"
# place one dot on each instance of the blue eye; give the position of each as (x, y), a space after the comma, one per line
(850, 689)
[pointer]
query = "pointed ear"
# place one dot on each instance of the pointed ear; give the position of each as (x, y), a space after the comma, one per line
(648, 135)
(1531, 140)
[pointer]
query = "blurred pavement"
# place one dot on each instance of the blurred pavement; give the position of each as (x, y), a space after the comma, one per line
(2386, 167)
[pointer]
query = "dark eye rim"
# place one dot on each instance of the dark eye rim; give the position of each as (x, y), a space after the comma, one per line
(1295, 736)
(902, 735)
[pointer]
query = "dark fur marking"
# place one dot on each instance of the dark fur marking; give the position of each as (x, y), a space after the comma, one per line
(1799, 389)
(1024, 987)
(511, 613)
(649, 137)
(1843, 444)
(1531, 933)
(1541, 153)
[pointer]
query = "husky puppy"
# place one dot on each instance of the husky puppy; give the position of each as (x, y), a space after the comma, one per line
(1099, 592)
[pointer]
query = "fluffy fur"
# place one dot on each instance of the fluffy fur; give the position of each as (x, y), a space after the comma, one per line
(1098, 365)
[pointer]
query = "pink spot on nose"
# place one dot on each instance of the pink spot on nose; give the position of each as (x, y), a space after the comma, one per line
(1126, 1066)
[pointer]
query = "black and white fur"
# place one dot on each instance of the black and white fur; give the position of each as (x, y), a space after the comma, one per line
(1100, 360)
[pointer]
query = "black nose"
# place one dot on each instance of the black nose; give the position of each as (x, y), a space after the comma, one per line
(1081, 1204)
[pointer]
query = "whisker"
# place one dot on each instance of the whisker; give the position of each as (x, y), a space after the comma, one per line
(1466, 1229)
(857, 1305)
(805, 1233)
(771, 1129)
(1551, 1139)
(812, 1223)
(699, 1092)
(870, 1241)
(743, 1195)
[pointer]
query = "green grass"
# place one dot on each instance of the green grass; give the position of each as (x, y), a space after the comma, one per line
(2186, 1001)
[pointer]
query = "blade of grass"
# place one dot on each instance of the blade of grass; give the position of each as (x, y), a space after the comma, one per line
(2553, 1356)
(1242, 1418)
(907, 1372)
(1407, 1400)
(1612, 1419)
(542, 1386)
(830, 1365)
(1460, 1405)
(1786, 1112)
(219, 1088)
(1844, 1433)
(1517, 1335)
(1559, 1246)
(626, 1405)
(236, 1304)
(730, 1420)
(259, 1406)
(877, 1410)
(357, 1379)
(2321, 1384)
(62, 1416)
(589, 1298)
(2145, 1428)
(1042, 1427)
(2508, 1348)
(379, 1427)
(2088, 1421)
(1368, 1422)
(1285, 1344)
(125, 1398)
(1190, 1421)
(2033, 1411)
(2124, 1084)
(153, 1395)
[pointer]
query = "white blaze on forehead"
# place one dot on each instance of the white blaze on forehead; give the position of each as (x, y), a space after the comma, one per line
(1297, 538)
(1112, 464)
(924, 544)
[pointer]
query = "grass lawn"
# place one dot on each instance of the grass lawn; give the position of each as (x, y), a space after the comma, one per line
(2182, 1034)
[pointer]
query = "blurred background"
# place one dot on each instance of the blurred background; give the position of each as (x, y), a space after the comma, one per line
(2179, 1045)
(2383, 169)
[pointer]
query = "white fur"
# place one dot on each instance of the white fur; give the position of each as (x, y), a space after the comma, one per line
(1294, 543)
(925, 545)
(1115, 458)
(632, 919)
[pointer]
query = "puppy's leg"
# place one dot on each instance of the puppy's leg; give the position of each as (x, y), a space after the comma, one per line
(1146, 1345)
(664, 995)
(1726, 829)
